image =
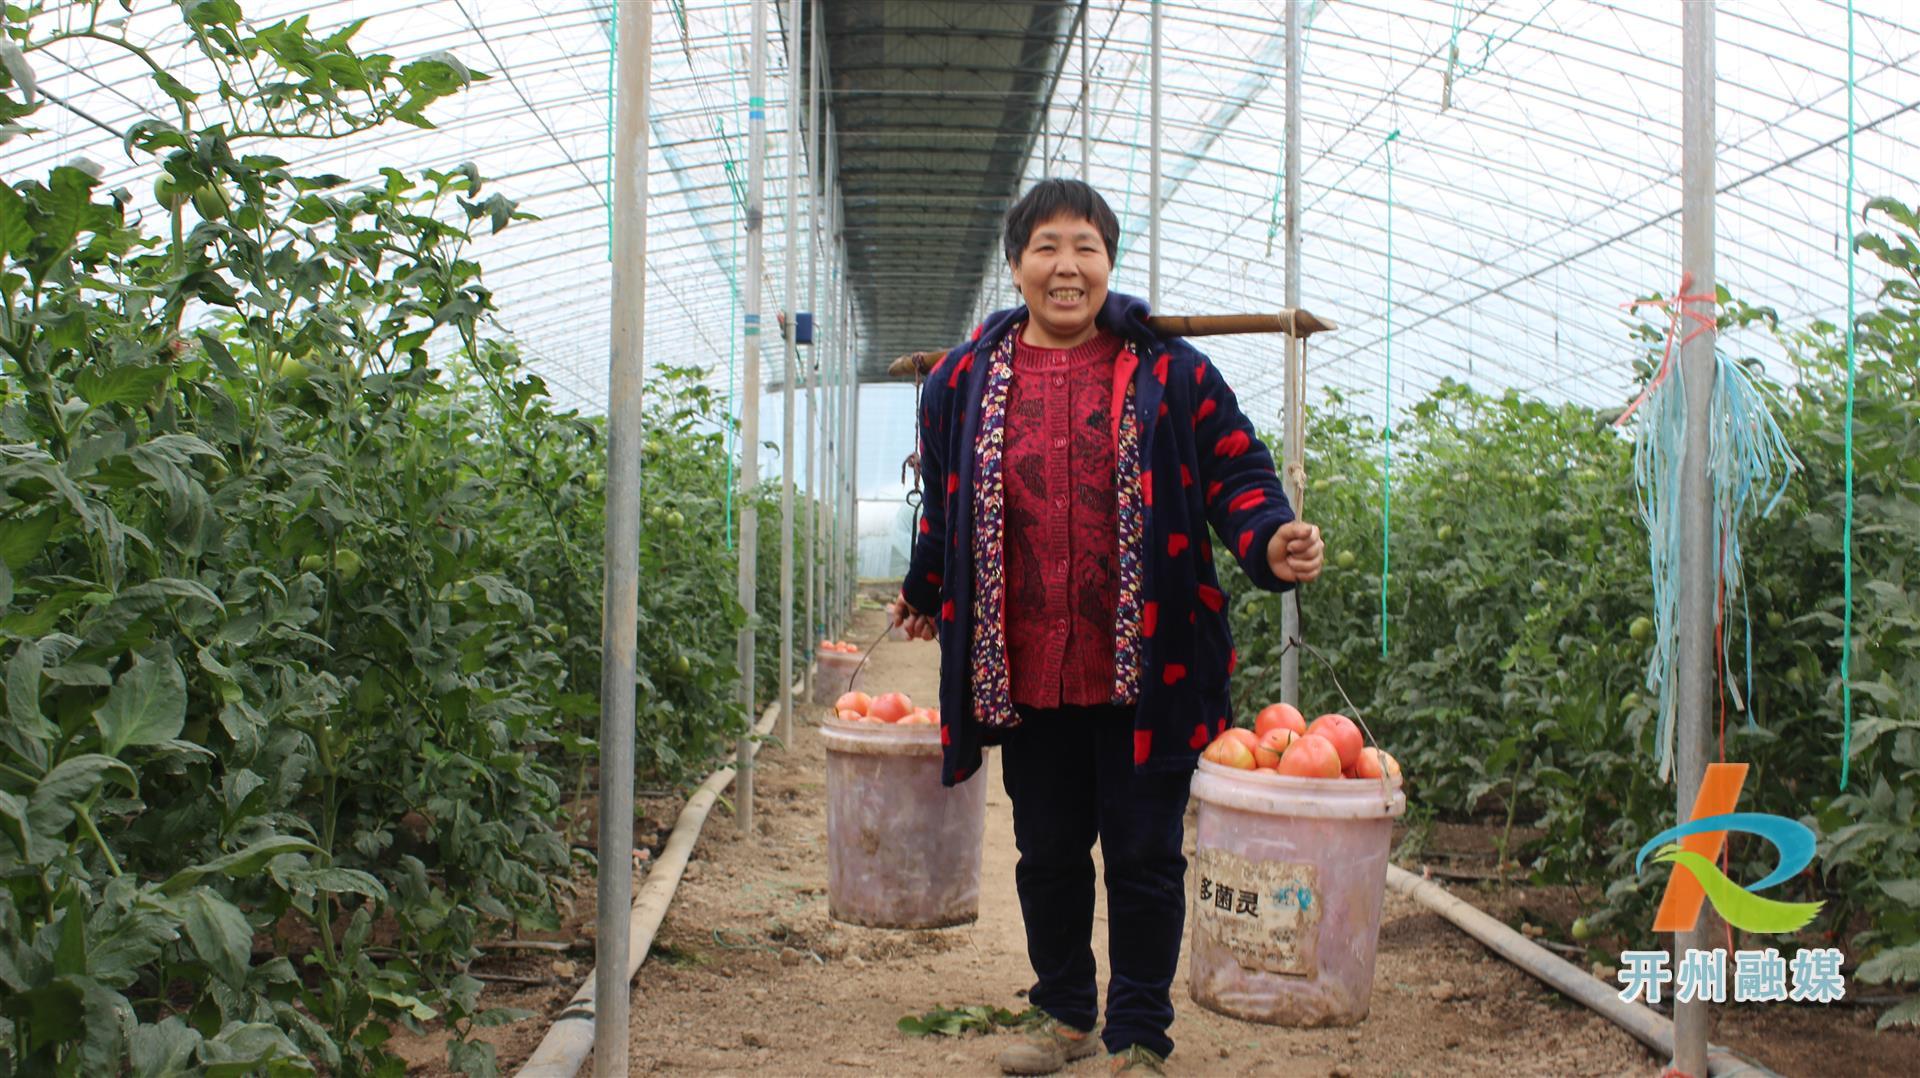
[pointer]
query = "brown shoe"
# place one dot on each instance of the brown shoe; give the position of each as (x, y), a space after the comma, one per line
(1135, 1059)
(1047, 1047)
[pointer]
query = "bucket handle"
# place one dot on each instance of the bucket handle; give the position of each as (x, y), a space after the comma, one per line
(1386, 789)
(851, 678)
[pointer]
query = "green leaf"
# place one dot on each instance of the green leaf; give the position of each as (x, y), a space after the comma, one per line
(65, 204)
(244, 862)
(120, 385)
(1906, 1014)
(473, 1057)
(1903, 891)
(22, 538)
(51, 1013)
(146, 706)
(164, 1049)
(340, 881)
(18, 69)
(70, 784)
(403, 1002)
(241, 1051)
(28, 732)
(124, 938)
(16, 824)
(16, 232)
(219, 934)
(1896, 964)
(175, 88)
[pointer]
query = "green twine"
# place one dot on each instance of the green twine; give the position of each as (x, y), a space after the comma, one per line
(1386, 445)
(1846, 540)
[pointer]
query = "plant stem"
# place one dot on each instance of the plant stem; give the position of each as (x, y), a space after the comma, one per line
(85, 815)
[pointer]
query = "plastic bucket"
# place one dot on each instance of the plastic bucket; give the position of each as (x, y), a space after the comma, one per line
(903, 851)
(831, 671)
(1288, 877)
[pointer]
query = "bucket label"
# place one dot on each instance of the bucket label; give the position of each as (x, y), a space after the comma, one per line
(1265, 913)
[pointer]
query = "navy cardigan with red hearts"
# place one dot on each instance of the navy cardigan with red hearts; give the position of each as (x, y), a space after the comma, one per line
(1204, 465)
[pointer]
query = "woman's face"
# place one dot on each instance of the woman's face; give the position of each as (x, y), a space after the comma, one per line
(1062, 274)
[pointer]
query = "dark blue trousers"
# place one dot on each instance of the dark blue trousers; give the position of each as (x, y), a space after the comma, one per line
(1069, 774)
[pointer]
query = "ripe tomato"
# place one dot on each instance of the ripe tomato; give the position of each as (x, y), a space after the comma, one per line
(1373, 764)
(1230, 752)
(1311, 757)
(1342, 733)
(1242, 735)
(1275, 716)
(890, 707)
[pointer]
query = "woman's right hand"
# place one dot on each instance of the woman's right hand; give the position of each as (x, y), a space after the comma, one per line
(918, 626)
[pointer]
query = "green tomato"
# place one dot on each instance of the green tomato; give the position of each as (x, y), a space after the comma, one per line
(168, 193)
(681, 664)
(1795, 677)
(1582, 932)
(211, 202)
(1776, 620)
(1640, 630)
(347, 564)
(1445, 534)
(313, 563)
(1345, 559)
(295, 371)
(675, 520)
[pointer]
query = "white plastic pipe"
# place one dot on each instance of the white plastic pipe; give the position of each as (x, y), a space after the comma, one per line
(560, 1053)
(1646, 1025)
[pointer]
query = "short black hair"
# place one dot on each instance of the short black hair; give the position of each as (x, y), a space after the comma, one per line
(1049, 199)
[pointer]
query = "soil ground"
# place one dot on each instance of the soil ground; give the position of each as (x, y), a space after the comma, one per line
(749, 976)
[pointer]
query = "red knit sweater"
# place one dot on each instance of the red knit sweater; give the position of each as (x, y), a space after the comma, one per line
(1061, 538)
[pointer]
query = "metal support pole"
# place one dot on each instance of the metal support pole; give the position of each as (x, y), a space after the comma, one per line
(849, 462)
(830, 405)
(1694, 677)
(813, 352)
(1085, 97)
(853, 485)
(633, 37)
(841, 603)
(790, 358)
(1153, 181)
(750, 388)
(1296, 442)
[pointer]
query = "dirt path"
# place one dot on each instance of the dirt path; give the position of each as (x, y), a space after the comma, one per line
(749, 976)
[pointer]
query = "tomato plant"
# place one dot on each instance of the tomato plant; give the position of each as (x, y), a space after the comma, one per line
(1513, 690)
(300, 622)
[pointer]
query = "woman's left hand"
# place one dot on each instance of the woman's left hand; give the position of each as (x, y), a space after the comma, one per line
(1295, 553)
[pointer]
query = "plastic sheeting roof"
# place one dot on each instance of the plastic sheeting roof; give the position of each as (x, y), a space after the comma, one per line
(1535, 177)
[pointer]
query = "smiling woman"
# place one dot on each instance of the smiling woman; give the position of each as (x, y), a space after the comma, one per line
(1082, 458)
(1060, 242)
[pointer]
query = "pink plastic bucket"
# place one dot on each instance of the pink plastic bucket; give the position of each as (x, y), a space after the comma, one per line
(831, 671)
(903, 851)
(1288, 877)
